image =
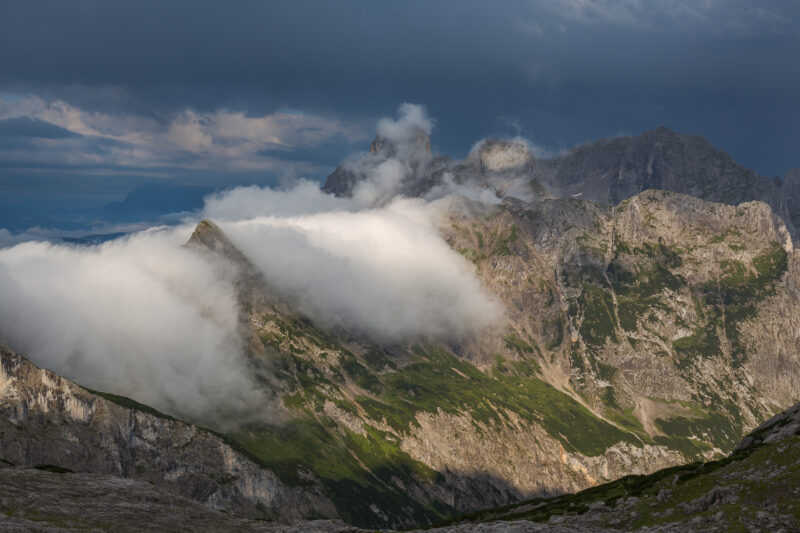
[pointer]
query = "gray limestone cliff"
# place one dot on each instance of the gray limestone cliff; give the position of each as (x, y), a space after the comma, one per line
(48, 420)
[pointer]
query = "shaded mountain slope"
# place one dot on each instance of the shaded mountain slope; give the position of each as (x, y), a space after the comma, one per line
(753, 489)
(612, 170)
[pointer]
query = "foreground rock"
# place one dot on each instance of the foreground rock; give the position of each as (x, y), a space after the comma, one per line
(42, 500)
(754, 489)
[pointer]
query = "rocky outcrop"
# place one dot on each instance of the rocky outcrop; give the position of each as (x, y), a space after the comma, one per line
(754, 489)
(518, 460)
(47, 419)
(780, 427)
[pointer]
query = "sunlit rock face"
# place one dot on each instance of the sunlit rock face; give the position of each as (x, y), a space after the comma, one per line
(46, 419)
(499, 156)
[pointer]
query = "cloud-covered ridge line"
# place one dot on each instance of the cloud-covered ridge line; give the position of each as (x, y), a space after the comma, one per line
(147, 317)
(384, 272)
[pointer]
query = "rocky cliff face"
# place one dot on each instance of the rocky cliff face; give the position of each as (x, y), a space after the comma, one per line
(753, 489)
(48, 420)
(651, 308)
(790, 190)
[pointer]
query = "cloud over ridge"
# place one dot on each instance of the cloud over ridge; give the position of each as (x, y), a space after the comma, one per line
(146, 317)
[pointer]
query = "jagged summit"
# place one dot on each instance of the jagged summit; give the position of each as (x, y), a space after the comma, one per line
(495, 155)
(611, 170)
(419, 141)
(208, 236)
(413, 151)
(254, 294)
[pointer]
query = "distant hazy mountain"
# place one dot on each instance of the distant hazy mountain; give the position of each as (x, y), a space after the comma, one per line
(152, 200)
(148, 203)
(611, 170)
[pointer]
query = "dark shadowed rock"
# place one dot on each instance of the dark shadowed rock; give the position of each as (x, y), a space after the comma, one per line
(341, 181)
(791, 191)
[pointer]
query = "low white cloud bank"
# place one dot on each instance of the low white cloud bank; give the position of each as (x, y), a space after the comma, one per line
(143, 317)
(384, 272)
(148, 318)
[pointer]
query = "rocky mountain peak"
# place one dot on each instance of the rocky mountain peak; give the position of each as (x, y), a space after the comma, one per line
(418, 140)
(494, 155)
(253, 291)
(412, 149)
(791, 184)
(210, 237)
(611, 170)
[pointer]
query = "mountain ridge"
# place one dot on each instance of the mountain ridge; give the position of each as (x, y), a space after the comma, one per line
(638, 336)
(608, 170)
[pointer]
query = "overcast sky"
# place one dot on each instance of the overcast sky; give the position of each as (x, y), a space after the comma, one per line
(98, 97)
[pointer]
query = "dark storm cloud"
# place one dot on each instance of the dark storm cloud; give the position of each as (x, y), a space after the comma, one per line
(558, 72)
